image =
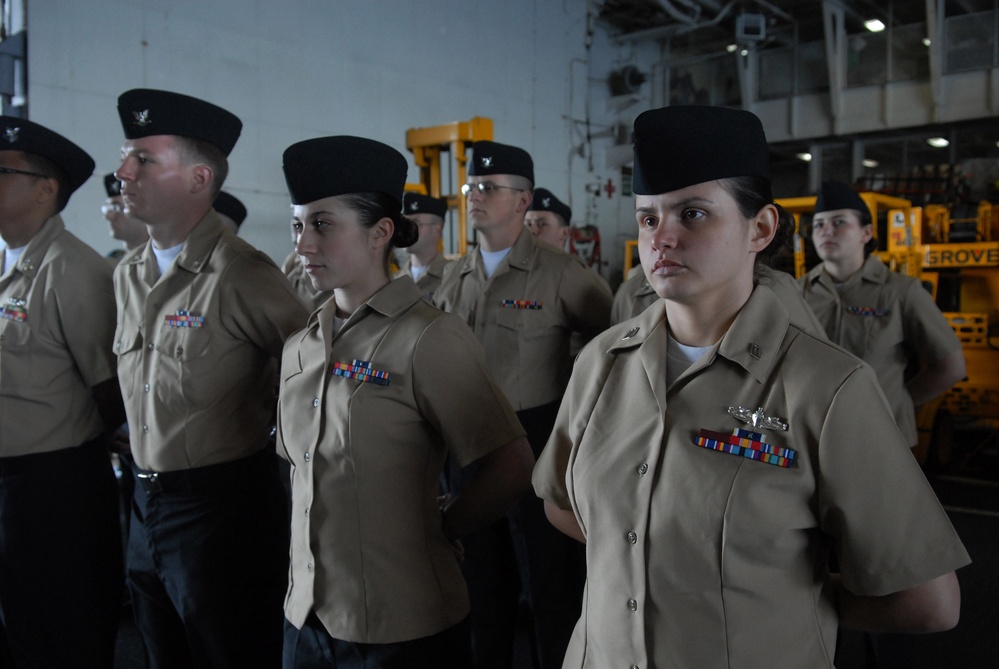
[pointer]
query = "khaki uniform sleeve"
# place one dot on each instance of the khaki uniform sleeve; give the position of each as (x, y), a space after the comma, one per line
(457, 395)
(927, 331)
(86, 307)
(586, 298)
(889, 528)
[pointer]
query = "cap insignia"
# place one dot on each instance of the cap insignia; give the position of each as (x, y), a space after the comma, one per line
(487, 161)
(142, 118)
(546, 202)
(10, 134)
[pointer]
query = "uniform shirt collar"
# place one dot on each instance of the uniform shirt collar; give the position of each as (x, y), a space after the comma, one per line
(197, 249)
(391, 300)
(752, 341)
(35, 250)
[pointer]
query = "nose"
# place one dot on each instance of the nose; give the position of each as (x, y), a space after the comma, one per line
(303, 243)
(124, 171)
(664, 236)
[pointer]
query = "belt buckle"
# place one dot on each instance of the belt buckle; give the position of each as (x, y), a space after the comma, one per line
(150, 482)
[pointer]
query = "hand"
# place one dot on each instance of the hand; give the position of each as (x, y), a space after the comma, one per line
(120, 442)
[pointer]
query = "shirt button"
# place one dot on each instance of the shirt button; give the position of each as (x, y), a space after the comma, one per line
(307, 456)
(145, 429)
(150, 346)
(633, 604)
(309, 567)
(146, 387)
(315, 402)
(643, 469)
(632, 538)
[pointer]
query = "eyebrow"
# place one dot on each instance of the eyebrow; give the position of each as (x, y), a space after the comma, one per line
(679, 204)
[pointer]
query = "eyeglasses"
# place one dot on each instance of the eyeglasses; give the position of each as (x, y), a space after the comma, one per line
(11, 170)
(485, 188)
(116, 208)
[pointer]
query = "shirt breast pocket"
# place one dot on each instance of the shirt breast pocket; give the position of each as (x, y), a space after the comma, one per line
(184, 360)
(15, 358)
(127, 346)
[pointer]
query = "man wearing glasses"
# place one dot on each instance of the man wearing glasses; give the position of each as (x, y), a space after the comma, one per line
(129, 232)
(524, 300)
(61, 574)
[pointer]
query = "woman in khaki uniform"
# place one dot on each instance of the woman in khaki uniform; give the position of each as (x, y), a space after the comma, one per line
(887, 319)
(712, 455)
(376, 391)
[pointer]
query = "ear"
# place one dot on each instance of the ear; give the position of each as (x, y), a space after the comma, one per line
(381, 232)
(762, 228)
(201, 178)
(46, 190)
(867, 232)
(524, 199)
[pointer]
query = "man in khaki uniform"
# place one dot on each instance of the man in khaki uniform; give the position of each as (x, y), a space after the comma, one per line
(130, 233)
(633, 296)
(548, 218)
(713, 455)
(202, 317)
(523, 300)
(885, 318)
(60, 548)
(425, 264)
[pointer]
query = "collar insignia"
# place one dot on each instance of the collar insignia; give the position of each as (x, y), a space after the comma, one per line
(141, 118)
(758, 419)
(630, 333)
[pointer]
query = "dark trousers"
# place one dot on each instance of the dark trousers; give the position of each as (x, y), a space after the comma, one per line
(313, 648)
(207, 565)
(523, 556)
(60, 559)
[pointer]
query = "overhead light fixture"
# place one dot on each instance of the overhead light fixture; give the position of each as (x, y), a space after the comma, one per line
(744, 52)
(926, 41)
(731, 48)
(804, 156)
(868, 162)
(937, 142)
(874, 25)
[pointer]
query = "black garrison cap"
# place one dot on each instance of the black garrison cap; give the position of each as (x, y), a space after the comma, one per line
(837, 195)
(417, 203)
(111, 185)
(327, 166)
(544, 200)
(145, 112)
(676, 147)
(493, 158)
(18, 134)
(230, 206)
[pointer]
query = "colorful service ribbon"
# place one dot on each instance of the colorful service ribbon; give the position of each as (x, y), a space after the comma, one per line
(362, 371)
(14, 310)
(521, 304)
(751, 445)
(184, 319)
(868, 311)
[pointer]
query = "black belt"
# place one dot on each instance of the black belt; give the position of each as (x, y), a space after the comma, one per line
(200, 477)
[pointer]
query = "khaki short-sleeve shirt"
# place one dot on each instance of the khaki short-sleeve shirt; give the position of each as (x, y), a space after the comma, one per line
(888, 320)
(366, 416)
(429, 281)
(525, 314)
(700, 557)
(56, 326)
(198, 348)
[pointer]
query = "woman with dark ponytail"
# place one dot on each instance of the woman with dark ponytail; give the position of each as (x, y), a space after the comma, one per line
(375, 392)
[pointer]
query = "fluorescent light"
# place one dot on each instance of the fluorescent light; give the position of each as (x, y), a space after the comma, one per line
(868, 162)
(744, 52)
(874, 25)
(926, 41)
(731, 48)
(804, 156)
(937, 142)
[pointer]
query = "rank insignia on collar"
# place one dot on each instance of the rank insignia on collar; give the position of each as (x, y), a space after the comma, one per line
(758, 419)
(185, 319)
(487, 161)
(10, 134)
(361, 370)
(141, 118)
(630, 333)
(750, 445)
(27, 265)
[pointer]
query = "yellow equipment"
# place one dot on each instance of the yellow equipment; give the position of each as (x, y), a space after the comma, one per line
(427, 145)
